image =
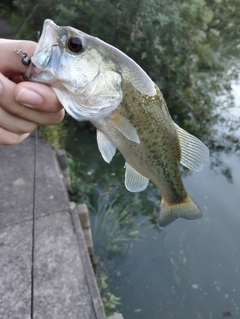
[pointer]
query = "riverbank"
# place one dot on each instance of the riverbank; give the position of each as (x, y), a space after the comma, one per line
(63, 284)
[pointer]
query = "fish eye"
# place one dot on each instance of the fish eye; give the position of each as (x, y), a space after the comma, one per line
(75, 44)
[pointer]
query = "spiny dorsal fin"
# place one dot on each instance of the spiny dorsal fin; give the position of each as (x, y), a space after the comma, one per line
(105, 146)
(124, 126)
(134, 181)
(194, 154)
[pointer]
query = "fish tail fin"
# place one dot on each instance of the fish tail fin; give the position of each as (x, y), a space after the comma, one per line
(187, 209)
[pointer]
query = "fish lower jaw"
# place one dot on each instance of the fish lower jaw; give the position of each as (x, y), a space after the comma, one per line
(42, 76)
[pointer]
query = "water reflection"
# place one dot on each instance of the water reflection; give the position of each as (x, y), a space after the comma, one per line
(188, 269)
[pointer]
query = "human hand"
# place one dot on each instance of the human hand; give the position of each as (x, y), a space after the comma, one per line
(23, 105)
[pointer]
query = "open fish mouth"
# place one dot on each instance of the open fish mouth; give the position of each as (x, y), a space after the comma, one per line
(46, 58)
(39, 75)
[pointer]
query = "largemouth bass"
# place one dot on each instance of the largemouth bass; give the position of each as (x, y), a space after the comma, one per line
(95, 81)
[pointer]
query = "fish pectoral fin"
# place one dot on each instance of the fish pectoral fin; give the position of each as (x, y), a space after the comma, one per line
(134, 181)
(194, 154)
(105, 146)
(188, 209)
(124, 126)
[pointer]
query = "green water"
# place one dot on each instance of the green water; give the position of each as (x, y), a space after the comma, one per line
(188, 270)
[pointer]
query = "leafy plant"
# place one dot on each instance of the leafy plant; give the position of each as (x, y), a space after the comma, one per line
(189, 48)
(54, 134)
(110, 301)
(111, 223)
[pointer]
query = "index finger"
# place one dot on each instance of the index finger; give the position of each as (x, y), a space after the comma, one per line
(10, 62)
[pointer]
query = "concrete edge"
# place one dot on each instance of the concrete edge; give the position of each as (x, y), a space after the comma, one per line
(91, 281)
(22, 221)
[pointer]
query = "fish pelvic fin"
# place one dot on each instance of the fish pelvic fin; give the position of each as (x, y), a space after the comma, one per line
(134, 181)
(105, 146)
(187, 209)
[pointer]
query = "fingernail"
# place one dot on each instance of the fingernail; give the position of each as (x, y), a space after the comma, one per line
(29, 98)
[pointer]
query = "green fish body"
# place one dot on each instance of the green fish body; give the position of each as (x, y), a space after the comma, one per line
(95, 81)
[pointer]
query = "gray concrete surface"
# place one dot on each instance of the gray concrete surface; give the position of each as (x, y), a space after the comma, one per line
(116, 316)
(62, 288)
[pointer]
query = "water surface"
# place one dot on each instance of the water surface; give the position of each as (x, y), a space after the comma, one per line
(190, 269)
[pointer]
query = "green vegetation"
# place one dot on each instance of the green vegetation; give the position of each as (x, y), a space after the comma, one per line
(54, 134)
(189, 48)
(112, 223)
(110, 302)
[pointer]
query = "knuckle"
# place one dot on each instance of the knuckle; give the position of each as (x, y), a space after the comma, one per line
(57, 117)
(17, 110)
(9, 139)
(16, 139)
(25, 128)
(30, 127)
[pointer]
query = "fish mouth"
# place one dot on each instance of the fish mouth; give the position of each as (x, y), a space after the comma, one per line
(35, 74)
(47, 55)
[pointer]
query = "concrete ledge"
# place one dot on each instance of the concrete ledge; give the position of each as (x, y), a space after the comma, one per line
(64, 283)
(116, 316)
(96, 298)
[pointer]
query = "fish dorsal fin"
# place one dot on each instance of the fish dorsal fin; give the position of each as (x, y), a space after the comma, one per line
(105, 146)
(194, 154)
(134, 181)
(124, 126)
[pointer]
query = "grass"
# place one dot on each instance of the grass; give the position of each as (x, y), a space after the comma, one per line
(54, 134)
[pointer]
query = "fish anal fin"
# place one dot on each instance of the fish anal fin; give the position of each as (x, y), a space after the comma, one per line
(134, 181)
(194, 154)
(124, 126)
(105, 146)
(188, 209)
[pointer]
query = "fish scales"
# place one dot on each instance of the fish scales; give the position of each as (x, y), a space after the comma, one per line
(158, 154)
(95, 81)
